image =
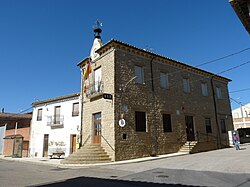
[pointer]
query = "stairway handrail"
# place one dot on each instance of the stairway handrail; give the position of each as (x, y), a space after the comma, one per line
(86, 140)
(107, 142)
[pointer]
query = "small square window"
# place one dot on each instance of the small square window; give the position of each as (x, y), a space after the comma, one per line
(223, 126)
(167, 126)
(218, 93)
(208, 125)
(75, 109)
(140, 121)
(39, 114)
(139, 73)
(204, 89)
(164, 80)
(186, 86)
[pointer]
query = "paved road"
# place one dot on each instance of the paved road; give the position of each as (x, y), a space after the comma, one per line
(226, 167)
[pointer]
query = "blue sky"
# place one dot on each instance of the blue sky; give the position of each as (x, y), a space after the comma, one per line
(41, 41)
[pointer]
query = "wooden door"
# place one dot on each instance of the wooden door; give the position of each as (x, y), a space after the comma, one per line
(189, 128)
(72, 143)
(97, 128)
(45, 145)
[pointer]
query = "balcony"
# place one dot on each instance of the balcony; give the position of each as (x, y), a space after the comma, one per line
(94, 90)
(55, 121)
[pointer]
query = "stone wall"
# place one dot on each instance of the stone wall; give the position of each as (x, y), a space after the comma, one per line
(118, 74)
(140, 97)
(99, 105)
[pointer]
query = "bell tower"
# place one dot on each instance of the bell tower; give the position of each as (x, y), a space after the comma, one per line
(97, 40)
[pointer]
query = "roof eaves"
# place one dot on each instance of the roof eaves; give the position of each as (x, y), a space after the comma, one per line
(113, 43)
(56, 99)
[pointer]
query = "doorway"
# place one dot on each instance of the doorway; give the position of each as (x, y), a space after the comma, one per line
(45, 145)
(97, 128)
(72, 143)
(190, 128)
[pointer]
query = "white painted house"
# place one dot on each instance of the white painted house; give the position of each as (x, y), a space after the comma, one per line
(241, 117)
(56, 126)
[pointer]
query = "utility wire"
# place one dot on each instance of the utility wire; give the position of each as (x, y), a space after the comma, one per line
(235, 67)
(235, 91)
(205, 63)
(221, 58)
(239, 103)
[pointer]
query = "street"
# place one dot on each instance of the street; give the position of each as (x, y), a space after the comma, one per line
(225, 167)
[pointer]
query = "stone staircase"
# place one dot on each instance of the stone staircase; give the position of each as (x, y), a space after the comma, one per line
(187, 147)
(88, 154)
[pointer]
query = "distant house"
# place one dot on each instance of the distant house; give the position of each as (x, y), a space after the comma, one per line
(55, 126)
(241, 117)
(14, 134)
(242, 9)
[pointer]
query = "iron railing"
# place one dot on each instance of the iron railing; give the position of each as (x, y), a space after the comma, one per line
(94, 89)
(55, 121)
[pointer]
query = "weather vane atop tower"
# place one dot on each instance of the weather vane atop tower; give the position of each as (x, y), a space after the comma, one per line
(97, 29)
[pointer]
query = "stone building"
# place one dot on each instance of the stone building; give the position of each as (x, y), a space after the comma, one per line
(242, 9)
(138, 103)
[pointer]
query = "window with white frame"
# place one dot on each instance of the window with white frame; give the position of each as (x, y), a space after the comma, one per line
(218, 92)
(75, 109)
(164, 80)
(186, 86)
(39, 114)
(139, 73)
(204, 91)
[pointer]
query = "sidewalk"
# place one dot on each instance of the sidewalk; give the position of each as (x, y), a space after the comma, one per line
(56, 162)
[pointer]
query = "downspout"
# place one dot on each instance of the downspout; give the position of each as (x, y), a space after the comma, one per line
(155, 145)
(216, 116)
(81, 100)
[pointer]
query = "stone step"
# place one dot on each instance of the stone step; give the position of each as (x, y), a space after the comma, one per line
(83, 162)
(187, 147)
(88, 154)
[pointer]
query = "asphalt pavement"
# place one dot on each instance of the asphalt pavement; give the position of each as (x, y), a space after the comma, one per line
(224, 167)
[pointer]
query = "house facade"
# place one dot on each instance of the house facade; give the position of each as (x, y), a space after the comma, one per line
(137, 103)
(241, 117)
(56, 126)
(14, 134)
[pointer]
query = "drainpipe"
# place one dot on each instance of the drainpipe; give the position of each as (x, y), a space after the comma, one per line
(216, 116)
(81, 100)
(155, 145)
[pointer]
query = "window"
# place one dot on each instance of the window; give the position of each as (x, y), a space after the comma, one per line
(140, 121)
(98, 79)
(218, 93)
(57, 115)
(39, 114)
(208, 125)
(164, 80)
(186, 86)
(166, 118)
(75, 110)
(223, 126)
(139, 73)
(204, 89)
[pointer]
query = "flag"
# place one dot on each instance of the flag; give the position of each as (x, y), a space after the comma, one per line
(87, 71)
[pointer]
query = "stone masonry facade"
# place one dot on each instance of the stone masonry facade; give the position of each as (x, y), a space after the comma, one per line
(117, 61)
